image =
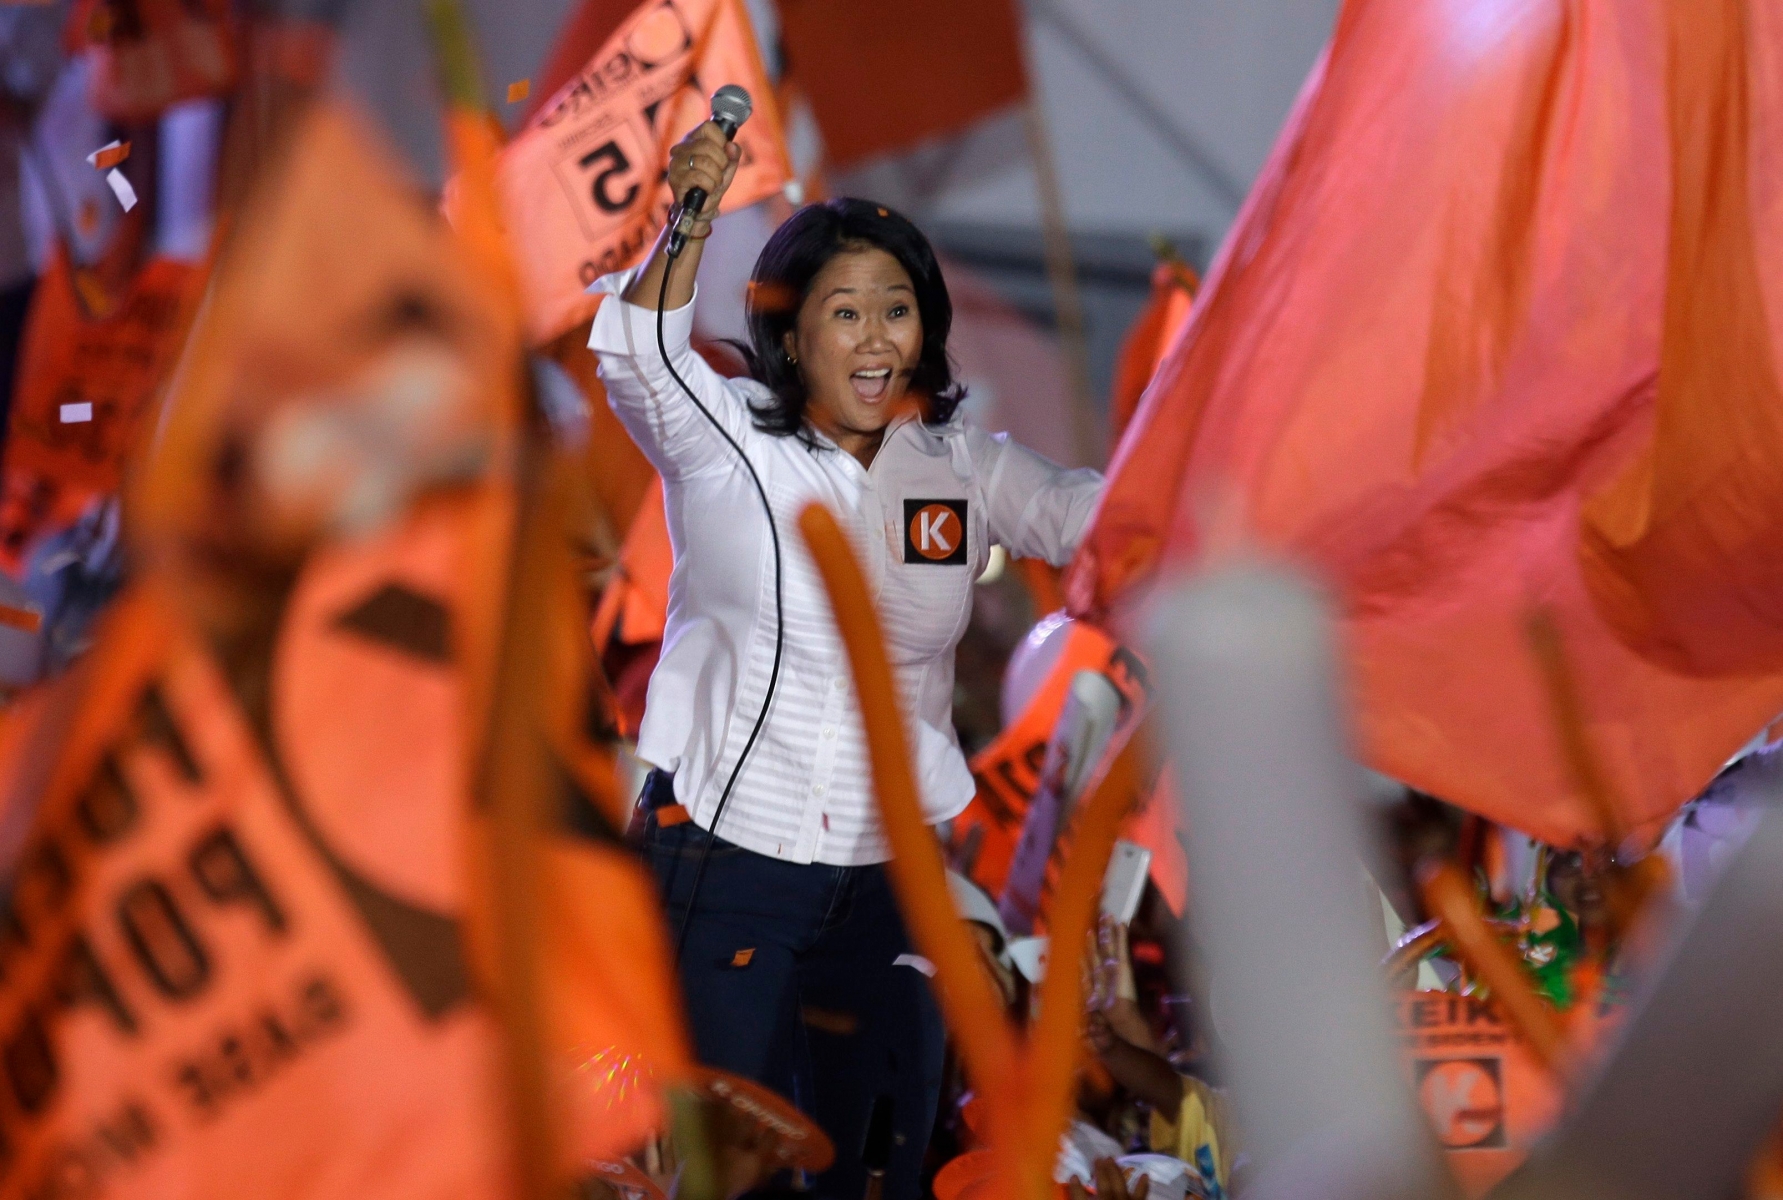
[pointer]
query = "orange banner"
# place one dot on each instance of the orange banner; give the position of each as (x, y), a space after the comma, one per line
(149, 54)
(1487, 1096)
(205, 993)
(1684, 551)
(583, 187)
(367, 708)
(85, 384)
(1008, 771)
(1449, 317)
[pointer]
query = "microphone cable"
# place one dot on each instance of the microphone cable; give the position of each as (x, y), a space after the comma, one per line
(699, 875)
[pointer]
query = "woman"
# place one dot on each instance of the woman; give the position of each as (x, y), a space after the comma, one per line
(796, 966)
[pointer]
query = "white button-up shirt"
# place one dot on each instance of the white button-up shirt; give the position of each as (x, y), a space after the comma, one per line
(922, 519)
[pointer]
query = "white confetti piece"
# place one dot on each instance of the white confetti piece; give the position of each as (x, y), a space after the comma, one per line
(121, 187)
(74, 414)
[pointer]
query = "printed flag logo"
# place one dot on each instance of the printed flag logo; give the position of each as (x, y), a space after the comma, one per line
(935, 531)
(1465, 1100)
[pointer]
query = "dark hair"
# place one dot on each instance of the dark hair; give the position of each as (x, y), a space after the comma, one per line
(782, 279)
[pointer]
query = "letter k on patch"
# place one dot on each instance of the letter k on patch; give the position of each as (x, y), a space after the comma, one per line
(935, 532)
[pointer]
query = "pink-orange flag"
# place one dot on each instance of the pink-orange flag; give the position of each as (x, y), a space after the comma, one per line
(582, 185)
(1488, 337)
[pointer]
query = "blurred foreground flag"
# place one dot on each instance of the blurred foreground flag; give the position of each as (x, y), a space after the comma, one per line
(1684, 552)
(883, 75)
(239, 957)
(1488, 335)
(582, 186)
(87, 383)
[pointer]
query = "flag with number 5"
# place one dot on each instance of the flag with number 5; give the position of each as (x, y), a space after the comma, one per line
(583, 185)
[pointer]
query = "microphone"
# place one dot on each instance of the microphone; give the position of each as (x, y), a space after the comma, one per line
(731, 107)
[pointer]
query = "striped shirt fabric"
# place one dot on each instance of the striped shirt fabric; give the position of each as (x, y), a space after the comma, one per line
(922, 519)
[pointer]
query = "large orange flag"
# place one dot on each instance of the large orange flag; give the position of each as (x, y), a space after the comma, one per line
(582, 185)
(1684, 553)
(241, 834)
(1432, 338)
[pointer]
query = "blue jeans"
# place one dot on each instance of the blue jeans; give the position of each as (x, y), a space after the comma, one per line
(790, 979)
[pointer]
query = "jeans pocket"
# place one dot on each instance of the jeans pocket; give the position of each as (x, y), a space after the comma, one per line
(683, 840)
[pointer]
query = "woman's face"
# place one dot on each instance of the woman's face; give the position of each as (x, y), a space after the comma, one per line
(857, 343)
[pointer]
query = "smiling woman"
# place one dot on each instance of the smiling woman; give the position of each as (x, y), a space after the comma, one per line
(848, 324)
(796, 966)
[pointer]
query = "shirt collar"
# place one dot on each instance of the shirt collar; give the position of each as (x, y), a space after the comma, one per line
(824, 440)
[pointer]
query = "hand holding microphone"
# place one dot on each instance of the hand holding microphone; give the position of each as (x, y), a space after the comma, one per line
(702, 165)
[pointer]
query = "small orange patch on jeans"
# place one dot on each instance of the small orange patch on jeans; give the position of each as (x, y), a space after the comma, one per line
(743, 958)
(671, 815)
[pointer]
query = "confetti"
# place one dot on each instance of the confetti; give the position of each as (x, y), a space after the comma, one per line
(74, 414)
(120, 187)
(109, 155)
(519, 91)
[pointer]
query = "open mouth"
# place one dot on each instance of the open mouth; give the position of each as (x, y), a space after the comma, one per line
(872, 384)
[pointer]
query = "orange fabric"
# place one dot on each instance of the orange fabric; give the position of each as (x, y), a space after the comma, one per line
(583, 186)
(1429, 343)
(149, 54)
(393, 664)
(1153, 332)
(617, 470)
(883, 76)
(1007, 772)
(239, 1014)
(1682, 552)
(634, 607)
(580, 980)
(1487, 1096)
(115, 363)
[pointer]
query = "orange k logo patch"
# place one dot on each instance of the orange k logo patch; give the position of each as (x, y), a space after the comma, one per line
(935, 531)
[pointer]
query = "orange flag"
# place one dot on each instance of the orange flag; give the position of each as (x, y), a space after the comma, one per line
(86, 383)
(244, 959)
(1007, 772)
(565, 920)
(1152, 333)
(1684, 552)
(207, 992)
(582, 185)
(149, 54)
(882, 76)
(1430, 342)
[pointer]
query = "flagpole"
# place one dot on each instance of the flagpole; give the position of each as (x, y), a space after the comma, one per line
(1061, 270)
(512, 779)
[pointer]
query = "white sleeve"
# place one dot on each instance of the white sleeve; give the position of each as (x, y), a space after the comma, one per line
(671, 432)
(1035, 508)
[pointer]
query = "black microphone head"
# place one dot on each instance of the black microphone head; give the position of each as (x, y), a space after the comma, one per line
(731, 107)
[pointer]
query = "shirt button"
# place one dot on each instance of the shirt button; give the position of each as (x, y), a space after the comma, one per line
(829, 731)
(840, 683)
(818, 790)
